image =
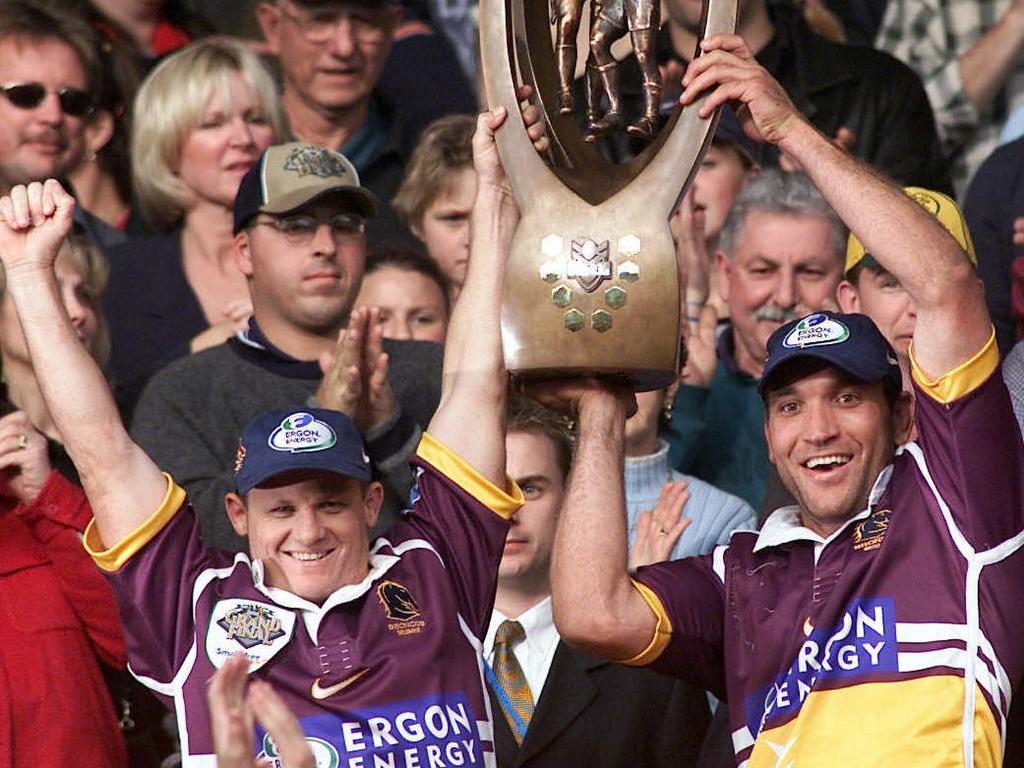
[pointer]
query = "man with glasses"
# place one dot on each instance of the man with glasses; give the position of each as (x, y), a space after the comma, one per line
(299, 240)
(332, 55)
(48, 71)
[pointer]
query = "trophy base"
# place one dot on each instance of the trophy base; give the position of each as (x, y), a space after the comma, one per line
(592, 292)
(639, 380)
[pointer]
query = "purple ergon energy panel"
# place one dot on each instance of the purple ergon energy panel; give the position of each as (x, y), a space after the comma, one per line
(386, 672)
(855, 650)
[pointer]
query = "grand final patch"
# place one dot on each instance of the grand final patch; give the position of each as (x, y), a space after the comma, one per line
(258, 629)
(314, 161)
(401, 608)
(870, 533)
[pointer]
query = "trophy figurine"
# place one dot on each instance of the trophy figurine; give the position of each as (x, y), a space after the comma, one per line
(592, 285)
(611, 20)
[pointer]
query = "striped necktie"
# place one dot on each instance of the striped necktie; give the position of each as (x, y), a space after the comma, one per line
(515, 697)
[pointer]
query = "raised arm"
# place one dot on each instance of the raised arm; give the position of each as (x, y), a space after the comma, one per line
(595, 605)
(952, 320)
(123, 485)
(470, 419)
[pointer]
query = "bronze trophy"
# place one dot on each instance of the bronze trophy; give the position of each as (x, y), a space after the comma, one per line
(592, 285)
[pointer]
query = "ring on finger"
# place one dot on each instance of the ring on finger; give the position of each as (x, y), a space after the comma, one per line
(662, 532)
(22, 441)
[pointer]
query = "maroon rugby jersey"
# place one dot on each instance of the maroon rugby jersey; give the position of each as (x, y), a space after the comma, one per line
(386, 673)
(896, 640)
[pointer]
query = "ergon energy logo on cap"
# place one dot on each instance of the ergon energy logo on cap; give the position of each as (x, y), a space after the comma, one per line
(302, 433)
(816, 330)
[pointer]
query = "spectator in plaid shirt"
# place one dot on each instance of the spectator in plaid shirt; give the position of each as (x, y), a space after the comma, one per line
(968, 52)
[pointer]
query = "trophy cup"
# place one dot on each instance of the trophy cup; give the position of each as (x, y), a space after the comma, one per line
(592, 286)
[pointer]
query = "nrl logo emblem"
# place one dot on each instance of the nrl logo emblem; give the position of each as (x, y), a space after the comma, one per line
(314, 161)
(251, 625)
(589, 265)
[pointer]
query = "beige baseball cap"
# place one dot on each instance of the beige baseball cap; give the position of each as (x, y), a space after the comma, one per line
(290, 176)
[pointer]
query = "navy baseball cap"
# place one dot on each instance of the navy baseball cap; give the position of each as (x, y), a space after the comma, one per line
(287, 440)
(730, 131)
(290, 176)
(851, 343)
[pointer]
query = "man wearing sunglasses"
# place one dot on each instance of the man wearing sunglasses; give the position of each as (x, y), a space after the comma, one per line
(48, 69)
(299, 239)
(332, 54)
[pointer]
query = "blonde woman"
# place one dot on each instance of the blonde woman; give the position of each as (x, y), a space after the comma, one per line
(201, 119)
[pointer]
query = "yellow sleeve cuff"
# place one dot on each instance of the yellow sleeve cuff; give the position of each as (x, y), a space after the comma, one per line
(662, 629)
(503, 502)
(963, 379)
(113, 558)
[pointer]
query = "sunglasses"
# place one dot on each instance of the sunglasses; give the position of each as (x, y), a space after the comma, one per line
(73, 101)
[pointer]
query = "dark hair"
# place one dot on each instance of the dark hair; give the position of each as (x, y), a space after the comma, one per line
(119, 78)
(41, 20)
(174, 11)
(412, 262)
(867, 261)
(728, 145)
(527, 415)
(803, 366)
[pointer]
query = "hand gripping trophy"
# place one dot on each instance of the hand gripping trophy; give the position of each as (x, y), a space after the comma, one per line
(592, 286)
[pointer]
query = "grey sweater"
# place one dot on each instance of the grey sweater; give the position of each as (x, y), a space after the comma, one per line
(191, 414)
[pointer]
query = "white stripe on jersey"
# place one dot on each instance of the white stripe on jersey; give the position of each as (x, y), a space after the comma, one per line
(198, 761)
(718, 561)
(934, 632)
(976, 561)
(485, 727)
(955, 658)
(741, 739)
(406, 546)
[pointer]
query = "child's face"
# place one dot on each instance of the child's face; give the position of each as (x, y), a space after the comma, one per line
(719, 181)
(445, 226)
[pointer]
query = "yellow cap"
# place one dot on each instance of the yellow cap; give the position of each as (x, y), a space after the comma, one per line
(938, 205)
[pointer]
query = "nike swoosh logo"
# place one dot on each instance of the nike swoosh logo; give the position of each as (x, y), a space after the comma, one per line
(322, 693)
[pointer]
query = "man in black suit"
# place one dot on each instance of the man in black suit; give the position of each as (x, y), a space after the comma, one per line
(553, 706)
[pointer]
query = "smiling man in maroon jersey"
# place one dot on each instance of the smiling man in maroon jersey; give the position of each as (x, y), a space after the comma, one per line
(376, 650)
(874, 622)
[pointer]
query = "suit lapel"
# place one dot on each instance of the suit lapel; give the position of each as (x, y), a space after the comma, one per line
(567, 692)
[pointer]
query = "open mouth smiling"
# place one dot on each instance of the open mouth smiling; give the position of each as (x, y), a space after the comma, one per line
(822, 464)
(309, 557)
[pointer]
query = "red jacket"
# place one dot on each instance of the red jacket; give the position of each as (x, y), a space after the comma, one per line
(58, 616)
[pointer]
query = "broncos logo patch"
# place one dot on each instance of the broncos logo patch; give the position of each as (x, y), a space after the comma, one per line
(398, 602)
(870, 533)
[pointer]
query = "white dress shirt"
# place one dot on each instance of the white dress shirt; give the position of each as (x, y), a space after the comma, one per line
(536, 651)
